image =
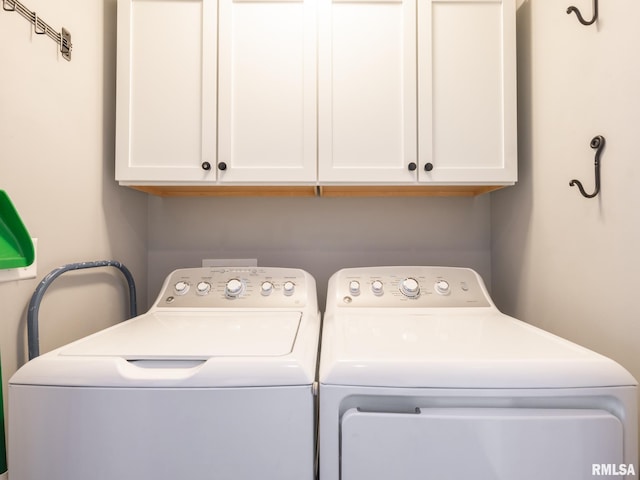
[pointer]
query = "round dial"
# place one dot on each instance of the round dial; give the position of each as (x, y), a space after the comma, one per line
(377, 287)
(442, 287)
(354, 287)
(233, 288)
(266, 288)
(181, 288)
(410, 287)
(289, 288)
(203, 288)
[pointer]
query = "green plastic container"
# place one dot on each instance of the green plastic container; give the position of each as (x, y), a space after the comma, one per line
(16, 247)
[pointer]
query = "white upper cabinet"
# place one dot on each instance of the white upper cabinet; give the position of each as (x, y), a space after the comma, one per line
(461, 60)
(316, 92)
(467, 91)
(166, 91)
(367, 91)
(267, 91)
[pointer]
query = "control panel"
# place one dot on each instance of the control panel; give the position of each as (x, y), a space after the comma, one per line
(415, 287)
(253, 287)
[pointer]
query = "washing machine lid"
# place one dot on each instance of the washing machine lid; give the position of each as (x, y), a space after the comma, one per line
(457, 351)
(193, 335)
(195, 349)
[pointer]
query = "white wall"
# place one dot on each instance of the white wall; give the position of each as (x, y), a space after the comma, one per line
(56, 163)
(569, 264)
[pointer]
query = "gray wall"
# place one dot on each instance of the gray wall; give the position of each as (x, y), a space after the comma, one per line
(320, 235)
(57, 165)
(560, 261)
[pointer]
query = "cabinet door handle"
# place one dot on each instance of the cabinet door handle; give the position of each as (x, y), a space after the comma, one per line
(412, 166)
(428, 167)
(222, 166)
(206, 166)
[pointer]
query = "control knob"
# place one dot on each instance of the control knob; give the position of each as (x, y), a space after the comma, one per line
(181, 287)
(377, 287)
(266, 288)
(203, 288)
(410, 287)
(233, 288)
(354, 287)
(288, 288)
(442, 287)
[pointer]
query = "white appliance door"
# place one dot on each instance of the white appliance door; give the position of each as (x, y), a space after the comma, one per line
(63, 433)
(479, 443)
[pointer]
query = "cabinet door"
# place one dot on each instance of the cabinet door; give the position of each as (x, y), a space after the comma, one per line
(367, 91)
(467, 91)
(267, 97)
(166, 91)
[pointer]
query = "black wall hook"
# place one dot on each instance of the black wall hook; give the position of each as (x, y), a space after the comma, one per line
(581, 18)
(597, 143)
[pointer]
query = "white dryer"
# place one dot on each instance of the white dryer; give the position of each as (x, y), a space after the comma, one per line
(215, 381)
(421, 377)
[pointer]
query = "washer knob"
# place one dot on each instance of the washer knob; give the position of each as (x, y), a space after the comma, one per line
(410, 287)
(289, 287)
(203, 288)
(181, 287)
(266, 288)
(354, 287)
(442, 287)
(377, 287)
(233, 288)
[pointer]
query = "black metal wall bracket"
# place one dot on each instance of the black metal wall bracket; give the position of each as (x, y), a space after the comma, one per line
(597, 143)
(581, 18)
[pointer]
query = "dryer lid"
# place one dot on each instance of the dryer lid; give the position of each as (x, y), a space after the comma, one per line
(457, 351)
(193, 335)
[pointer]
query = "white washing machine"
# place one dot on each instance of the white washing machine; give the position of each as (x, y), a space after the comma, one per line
(215, 381)
(421, 377)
